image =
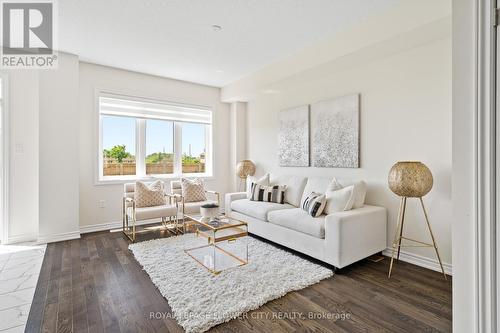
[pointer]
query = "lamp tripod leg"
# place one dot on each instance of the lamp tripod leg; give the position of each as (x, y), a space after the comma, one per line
(402, 225)
(432, 236)
(394, 242)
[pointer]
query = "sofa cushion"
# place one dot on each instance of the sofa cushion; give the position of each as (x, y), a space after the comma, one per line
(294, 187)
(257, 209)
(298, 220)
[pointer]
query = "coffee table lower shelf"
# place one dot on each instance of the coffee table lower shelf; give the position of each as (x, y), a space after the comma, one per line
(219, 256)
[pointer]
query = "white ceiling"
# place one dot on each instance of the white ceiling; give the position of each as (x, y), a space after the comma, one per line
(175, 38)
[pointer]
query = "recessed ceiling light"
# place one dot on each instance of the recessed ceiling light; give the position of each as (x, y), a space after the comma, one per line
(216, 27)
(219, 71)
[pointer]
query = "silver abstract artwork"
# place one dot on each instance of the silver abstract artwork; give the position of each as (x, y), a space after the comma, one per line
(294, 137)
(335, 132)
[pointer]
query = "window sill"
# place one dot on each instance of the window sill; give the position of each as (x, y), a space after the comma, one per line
(120, 180)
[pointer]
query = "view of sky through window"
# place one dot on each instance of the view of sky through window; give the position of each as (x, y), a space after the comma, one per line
(121, 131)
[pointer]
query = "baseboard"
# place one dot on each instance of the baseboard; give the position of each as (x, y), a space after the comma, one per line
(58, 237)
(22, 238)
(111, 225)
(421, 261)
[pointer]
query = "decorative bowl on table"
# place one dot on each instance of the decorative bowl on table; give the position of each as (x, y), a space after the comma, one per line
(209, 211)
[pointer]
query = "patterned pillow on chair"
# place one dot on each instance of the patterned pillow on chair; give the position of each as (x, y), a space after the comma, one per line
(148, 195)
(193, 190)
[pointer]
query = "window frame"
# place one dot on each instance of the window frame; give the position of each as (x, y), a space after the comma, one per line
(140, 141)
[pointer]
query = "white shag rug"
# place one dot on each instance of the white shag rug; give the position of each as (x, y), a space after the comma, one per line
(200, 300)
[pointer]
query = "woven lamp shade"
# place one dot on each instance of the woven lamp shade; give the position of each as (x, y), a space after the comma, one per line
(410, 179)
(245, 168)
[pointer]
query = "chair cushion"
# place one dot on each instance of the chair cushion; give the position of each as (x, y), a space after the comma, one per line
(257, 209)
(147, 195)
(194, 207)
(298, 220)
(294, 187)
(146, 213)
(193, 190)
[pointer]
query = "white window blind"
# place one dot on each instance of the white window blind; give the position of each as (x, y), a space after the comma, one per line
(148, 109)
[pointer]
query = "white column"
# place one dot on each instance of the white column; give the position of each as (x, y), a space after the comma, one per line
(238, 137)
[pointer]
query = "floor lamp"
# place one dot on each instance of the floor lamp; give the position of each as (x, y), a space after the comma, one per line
(244, 169)
(410, 180)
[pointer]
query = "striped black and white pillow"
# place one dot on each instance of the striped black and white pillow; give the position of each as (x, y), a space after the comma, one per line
(314, 204)
(265, 193)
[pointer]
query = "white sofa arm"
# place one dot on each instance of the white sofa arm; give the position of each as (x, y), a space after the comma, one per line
(230, 197)
(356, 234)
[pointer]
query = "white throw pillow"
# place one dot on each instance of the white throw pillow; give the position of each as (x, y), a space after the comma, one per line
(264, 180)
(339, 200)
(148, 195)
(335, 185)
(360, 189)
(359, 194)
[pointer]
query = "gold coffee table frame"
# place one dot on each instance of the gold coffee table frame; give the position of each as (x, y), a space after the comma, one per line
(240, 228)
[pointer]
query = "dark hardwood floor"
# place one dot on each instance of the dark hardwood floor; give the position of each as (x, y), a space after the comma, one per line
(94, 284)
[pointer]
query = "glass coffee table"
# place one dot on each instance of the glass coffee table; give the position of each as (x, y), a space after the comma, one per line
(226, 245)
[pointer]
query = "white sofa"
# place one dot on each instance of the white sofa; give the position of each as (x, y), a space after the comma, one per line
(338, 239)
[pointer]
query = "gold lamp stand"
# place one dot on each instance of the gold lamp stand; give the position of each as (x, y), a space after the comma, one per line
(398, 237)
(410, 179)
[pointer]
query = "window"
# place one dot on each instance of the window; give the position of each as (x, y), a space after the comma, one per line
(142, 138)
(118, 143)
(159, 147)
(193, 148)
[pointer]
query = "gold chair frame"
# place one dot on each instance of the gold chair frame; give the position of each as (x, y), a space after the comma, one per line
(172, 225)
(180, 198)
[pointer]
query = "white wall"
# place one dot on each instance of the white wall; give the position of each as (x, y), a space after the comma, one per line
(401, 66)
(405, 115)
(237, 119)
(53, 138)
(59, 167)
(94, 77)
(43, 106)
